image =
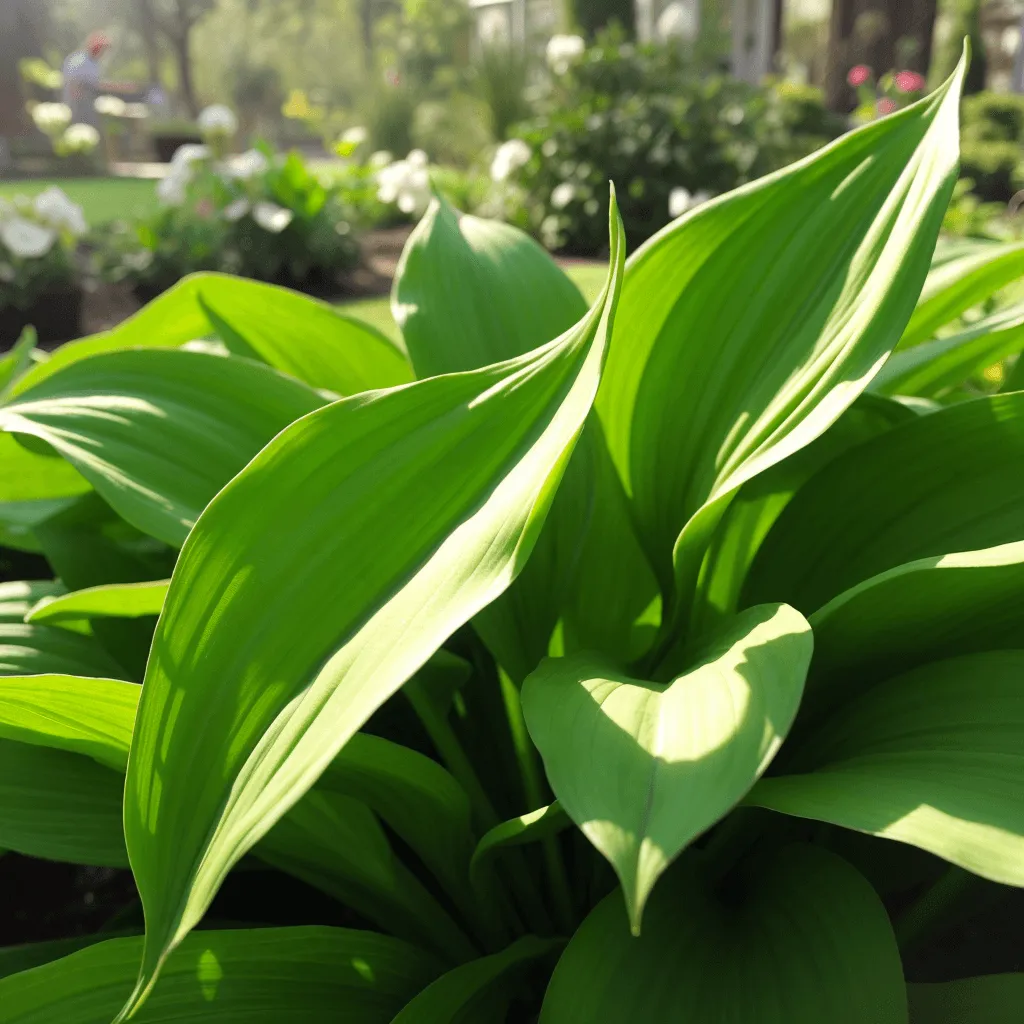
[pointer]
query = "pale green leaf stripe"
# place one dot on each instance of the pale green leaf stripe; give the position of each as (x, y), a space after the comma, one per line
(159, 432)
(934, 367)
(250, 692)
(926, 610)
(935, 485)
(19, 596)
(643, 768)
(300, 336)
(800, 284)
(94, 717)
(805, 940)
(112, 600)
(478, 990)
(28, 649)
(992, 999)
(933, 758)
(960, 283)
(264, 976)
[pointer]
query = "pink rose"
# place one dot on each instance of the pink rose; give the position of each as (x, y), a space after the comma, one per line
(858, 75)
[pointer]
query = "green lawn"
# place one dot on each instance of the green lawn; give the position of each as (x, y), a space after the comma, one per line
(102, 199)
(588, 276)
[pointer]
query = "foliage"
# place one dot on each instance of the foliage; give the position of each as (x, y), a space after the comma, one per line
(992, 140)
(670, 548)
(501, 77)
(260, 215)
(38, 240)
(652, 120)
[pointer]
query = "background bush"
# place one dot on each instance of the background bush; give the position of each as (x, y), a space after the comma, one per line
(991, 151)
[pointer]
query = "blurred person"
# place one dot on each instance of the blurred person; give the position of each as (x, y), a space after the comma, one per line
(82, 79)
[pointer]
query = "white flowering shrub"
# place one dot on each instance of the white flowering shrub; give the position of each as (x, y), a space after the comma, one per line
(38, 240)
(257, 214)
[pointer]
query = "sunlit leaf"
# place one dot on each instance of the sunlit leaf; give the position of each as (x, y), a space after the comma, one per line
(112, 600)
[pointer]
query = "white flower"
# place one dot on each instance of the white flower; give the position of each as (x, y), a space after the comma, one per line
(236, 210)
(680, 200)
(510, 157)
(355, 136)
(81, 138)
(25, 239)
(54, 207)
(406, 182)
(271, 217)
(188, 154)
(218, 120)
(247, 165)
(110, 106)
(170, 190)
(380, 159)
(562, 51)
(51, 118)
(563, 195)
(678, 21)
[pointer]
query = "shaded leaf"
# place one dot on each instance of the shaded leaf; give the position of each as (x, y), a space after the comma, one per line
(18, 597)
(644, 769)
(32, 650)
(804, 940)
(527, 828)
(993, 999)
(931, 758)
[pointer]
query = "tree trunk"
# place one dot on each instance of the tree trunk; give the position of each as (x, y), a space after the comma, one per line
(148, 29)
(883, 34)
(183, 55)
(366, 25)
(20, 36)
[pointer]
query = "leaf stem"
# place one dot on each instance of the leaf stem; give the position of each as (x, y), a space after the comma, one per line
(536, 796)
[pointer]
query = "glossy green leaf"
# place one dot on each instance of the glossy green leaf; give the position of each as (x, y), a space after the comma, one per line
(19, 596)
(28, 649)
(957, 284)
(477, 992)
(926, 610)
(112, 600)
(750, 325)
(158, 433)
(263, 976)
(803, 939)
(405, 512)
(15, 362)
(469, 292)
(931, 758)
(935, 367)
(60, 806)
(14, 959)
(993, 999)
(80, 714)
(31, 476)
(936, 485)
(644, 769)
(300, 336)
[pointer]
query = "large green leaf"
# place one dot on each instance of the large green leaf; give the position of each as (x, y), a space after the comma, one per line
(405, 512)
(957, 284)
(111, 600)
(28, 649)
(747, 327)
(33, 476)
(477, 992)
(935, 367)
(300, 336)
(936, 485)
(993, 999)
(158, 433)
(922, 611)
(802, 940)
(60, 806)
(264, 976)
(932, 758)
(644, 769)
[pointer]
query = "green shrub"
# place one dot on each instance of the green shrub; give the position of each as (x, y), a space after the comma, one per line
(259, 215)
(562, 652)
(993, 138)
(653, 121)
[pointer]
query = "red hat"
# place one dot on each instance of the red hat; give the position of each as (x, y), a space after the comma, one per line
(97, 43)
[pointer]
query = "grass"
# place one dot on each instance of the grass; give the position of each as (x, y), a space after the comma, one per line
(102, 199)
(589, 278)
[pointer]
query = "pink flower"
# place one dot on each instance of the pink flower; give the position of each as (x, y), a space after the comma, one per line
(204, 208)
(886, 106)
(909, 81)
(858, 75)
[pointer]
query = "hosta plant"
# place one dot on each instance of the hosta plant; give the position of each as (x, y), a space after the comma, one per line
(569, 650)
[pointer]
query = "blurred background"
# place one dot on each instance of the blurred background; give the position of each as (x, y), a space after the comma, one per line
(296, 141)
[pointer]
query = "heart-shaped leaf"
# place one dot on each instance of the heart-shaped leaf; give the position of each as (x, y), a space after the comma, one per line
(643, 768)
